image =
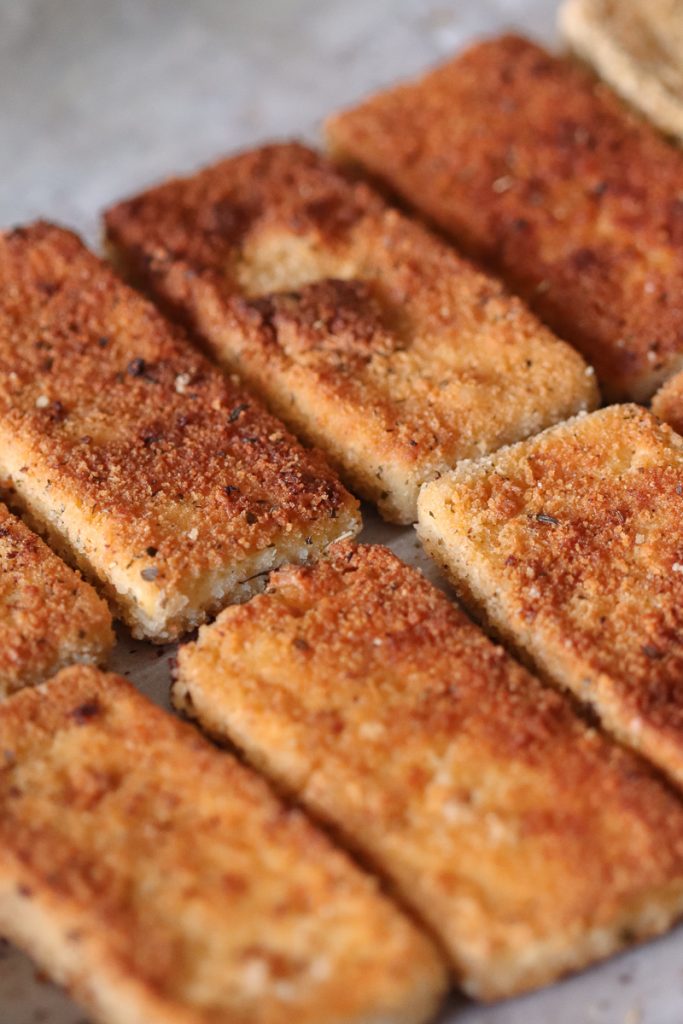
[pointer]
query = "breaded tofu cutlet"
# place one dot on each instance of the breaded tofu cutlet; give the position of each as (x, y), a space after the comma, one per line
(365, 333)
(49, 617)
(531, 164)
(143, 464)
(531, 844)
(636, 46)
(162, 882)
(570, 546)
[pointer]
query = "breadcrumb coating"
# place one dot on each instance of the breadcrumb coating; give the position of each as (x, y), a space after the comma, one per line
(162, 882)
(144, 464)
(364, 332)
(668, 403)
(535, 166)
(49, 617)
(571, 546)
(530, 843)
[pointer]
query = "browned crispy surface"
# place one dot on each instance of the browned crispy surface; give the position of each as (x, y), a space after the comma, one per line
(364, 332)
(147, 465)
(530, 843)
(163, 883)
(571, 544)
(48, 616)
(530, 163)
(668, 403)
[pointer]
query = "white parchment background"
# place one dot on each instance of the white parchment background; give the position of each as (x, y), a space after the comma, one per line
(101, 97)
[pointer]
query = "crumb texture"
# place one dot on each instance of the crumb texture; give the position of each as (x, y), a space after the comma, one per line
(164, 883)
(571, 545)
(636, 46)
(535, 166)
(152, 469)
(366, 333)
(48, 616)
(668, 403)
(530, 843)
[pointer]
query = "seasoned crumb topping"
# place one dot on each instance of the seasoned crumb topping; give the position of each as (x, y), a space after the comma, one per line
(668, 403)
(533, 165)
(172, 879)
(360, 328)
(48, 616)
(572, 544)
(112, 405)
(479, 792)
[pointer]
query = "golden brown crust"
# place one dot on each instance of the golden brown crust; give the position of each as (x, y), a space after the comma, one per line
(149, 466)
(364, 332)
(571, 545)
(531, 844)
(163, 883)
(531, 164)
(668, 403)
(49, 617)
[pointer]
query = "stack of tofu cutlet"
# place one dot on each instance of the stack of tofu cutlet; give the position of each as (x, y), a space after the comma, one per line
(506, 821)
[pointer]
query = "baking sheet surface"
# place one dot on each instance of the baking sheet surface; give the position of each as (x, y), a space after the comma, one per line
(101, 97)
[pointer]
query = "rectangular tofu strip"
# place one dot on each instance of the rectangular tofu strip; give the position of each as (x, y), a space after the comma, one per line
(531, 164)
(49, 617)
(530, 843)
(144, 465)
(364, 332)
(162, 882)
(636, 46)
(570, 546)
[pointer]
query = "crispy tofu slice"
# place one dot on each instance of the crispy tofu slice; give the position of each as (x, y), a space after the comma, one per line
(636, 46)
(163, 883)
(144, 465)
(49, 617)
(530, 843)
(571, 547)
(365, 333)
(532, 165)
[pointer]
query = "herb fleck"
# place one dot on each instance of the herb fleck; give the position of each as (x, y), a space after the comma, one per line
(136, 367)
(84, 712)
(237, 411)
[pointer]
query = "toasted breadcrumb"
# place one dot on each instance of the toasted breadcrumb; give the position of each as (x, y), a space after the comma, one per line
(530, 843)
(119, 467)
(570, 545)
(536, 167)
(668, 403)
(163, 883)
(49, 617)
(364, 332)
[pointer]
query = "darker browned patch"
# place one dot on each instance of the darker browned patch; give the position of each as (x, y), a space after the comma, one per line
(535, 167)
(86, 712)
(342, 322)
(165, 430)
